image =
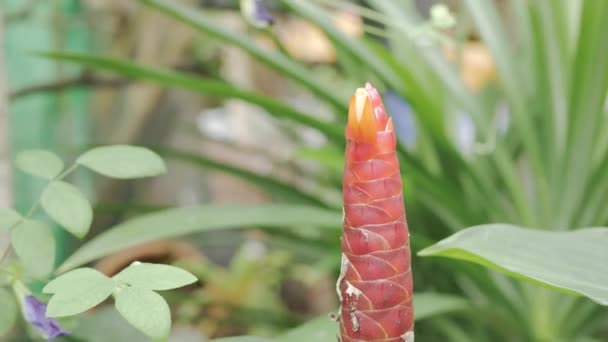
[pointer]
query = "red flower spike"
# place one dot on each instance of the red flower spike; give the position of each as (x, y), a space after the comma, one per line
(375, 285)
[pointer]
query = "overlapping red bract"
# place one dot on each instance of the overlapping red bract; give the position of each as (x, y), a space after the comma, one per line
(375, 285)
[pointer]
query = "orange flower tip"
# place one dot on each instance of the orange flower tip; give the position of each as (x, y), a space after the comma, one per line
(362, 124)
(389, 126)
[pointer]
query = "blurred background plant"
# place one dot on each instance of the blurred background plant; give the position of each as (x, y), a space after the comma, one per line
(499, 106)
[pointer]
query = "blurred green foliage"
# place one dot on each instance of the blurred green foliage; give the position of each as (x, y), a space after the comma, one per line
(546, 171)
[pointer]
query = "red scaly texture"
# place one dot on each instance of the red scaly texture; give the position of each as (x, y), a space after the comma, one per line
(375, 285)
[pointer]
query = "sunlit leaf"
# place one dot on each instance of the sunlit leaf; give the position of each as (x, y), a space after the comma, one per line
(156, 277)
(570, 261)
(146, 310)
(123, 161)
(35, 246)
(65, 204)
(77, 291)
(77, 277)
(40, 163)
(8, 218)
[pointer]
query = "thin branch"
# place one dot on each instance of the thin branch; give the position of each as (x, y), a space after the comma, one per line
(83, 80)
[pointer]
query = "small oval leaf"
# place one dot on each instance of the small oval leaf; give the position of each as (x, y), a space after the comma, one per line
(65, 204)
(77, 277)
(8, 218)
(34, 245)
(146, 310)
(77, 291)
(9, 311)
(39, 163)
(155, 276)
(123, 161)
(567, 261)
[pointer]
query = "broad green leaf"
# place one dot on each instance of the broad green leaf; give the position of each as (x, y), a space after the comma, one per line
(8, 218)
(77, 277)
(182, 221)
(77, 291)
(197, 84)
(9, 311)
(123, 161)
(428, 304)
(146, 310)
(156, 277)
(568, 261)
(65, 204)
(40, 163)
(34, 244)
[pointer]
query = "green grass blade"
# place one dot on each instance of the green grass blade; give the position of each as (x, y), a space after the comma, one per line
(588, 88)
(279, 62)
(182, 221)
(312, 12)
(193, 83)
(268, 183)
(492, 31)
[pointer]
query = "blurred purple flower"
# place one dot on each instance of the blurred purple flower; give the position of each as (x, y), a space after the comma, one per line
(403, 118)
(257, 13)
(35, 313)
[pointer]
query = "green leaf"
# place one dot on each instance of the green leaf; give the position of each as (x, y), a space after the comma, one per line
(8, 218)
(314, 13)
(155, 276)
(39, 163)
(197, 84)
(34, 244)
(9, 311)
(430, 304)
(182, 221)
(123, 161)
(320, 329)
(146, 310)
(77, 291)
(65, 204)
(568, 261)
(295, 71)
(77, 277)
